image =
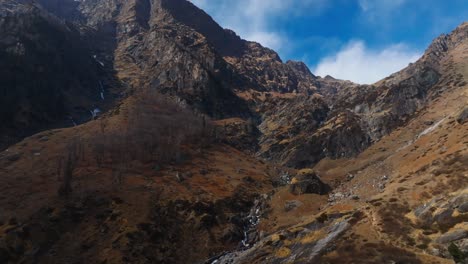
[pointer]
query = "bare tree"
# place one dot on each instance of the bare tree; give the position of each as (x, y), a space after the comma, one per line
(60, 161)
(74, 151)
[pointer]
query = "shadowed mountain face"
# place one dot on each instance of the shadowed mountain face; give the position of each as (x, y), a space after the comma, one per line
(48, 75)
(209, 143)
(226, 42)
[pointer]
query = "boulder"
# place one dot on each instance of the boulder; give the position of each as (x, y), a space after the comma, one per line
(452, 236)
(463, 208)
(463, 116)
(307, 181)
(291, 205)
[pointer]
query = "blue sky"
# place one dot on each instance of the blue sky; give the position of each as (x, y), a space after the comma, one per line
(359, 40)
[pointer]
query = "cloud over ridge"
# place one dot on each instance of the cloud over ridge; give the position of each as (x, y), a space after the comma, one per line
(358, 63)
(254, 20)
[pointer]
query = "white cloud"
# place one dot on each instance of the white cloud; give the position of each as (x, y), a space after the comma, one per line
(360, 64)
(379, 10)
(373, 5)
(256, 20)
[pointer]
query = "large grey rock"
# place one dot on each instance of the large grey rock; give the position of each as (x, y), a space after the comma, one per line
(463, 116)
(463, 208)
(291, 205)
(308, 182)
(452, 236)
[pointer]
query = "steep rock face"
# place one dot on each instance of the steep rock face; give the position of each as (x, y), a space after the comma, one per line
(47, 74)
(155, 51)
(287, 122)
(150, 49)
(341, 136)
(226, 42)
(150, 33)
(307, 82)
(265, 68)
(239, 133)
(262, 67)
(331, 88)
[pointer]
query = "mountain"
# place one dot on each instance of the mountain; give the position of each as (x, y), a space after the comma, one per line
(210, 149)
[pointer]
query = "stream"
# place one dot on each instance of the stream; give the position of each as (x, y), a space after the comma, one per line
(250, 232)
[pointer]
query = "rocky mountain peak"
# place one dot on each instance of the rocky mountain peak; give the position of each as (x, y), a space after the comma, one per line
(442, 44)
(226, 42)
(300, 67)
(459, 34)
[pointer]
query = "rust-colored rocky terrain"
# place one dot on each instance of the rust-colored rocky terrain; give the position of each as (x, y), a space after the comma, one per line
(142, 132)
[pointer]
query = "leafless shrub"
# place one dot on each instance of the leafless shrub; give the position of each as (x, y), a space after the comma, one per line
(60, 162)
(102, 125)
(117, 175)
(66, 166)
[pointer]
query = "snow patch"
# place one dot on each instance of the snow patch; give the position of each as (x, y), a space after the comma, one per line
(98, 61)
(95, 113)
(102, 90)
(73, 121)
(425, 132)
(431, 128)
(405, 146)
